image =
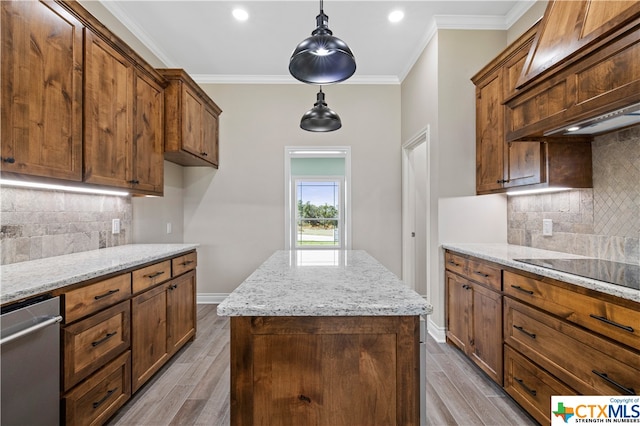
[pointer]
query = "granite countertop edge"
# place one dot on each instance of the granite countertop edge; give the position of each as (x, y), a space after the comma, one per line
(23, 280)
(505, 254)
(361, 286)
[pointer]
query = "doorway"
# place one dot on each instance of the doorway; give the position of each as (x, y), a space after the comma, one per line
(415, 212)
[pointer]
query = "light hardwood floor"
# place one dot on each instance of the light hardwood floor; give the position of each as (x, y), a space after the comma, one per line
(193, 388)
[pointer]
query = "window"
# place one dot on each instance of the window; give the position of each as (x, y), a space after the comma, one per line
(317, 198)
(318, 222)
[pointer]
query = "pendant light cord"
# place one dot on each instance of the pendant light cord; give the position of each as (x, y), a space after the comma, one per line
(321, 8)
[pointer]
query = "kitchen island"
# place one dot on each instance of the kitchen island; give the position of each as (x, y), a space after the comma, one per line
(324, 337)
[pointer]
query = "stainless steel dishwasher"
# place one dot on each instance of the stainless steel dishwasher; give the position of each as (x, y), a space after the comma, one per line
(30, 358)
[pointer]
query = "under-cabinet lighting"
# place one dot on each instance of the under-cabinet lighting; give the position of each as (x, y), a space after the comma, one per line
(36, 185)
(573, 129)
(537, 191)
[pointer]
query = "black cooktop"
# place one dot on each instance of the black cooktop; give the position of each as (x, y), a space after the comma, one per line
(623, 274)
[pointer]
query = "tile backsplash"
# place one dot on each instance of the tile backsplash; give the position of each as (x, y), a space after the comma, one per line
(36, 224)
(602, 222)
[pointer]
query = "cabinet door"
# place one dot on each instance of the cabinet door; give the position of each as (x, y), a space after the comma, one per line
(108, 114)
(210, 136)
(458, 304)
(192, 125)
(525, 164)
(41, 82)
(485, 325)
(181, 308)
(149, 334)
(148, 160)
(490, 147)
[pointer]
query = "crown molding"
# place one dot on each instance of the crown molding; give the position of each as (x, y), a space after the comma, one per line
(285, 79)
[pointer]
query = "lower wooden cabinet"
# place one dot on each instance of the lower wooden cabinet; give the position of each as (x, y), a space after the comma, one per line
(325, 370)
(163, 320)
(474, 313)
(556, 338)
(114, 342)
(99, 397)
(531, 386)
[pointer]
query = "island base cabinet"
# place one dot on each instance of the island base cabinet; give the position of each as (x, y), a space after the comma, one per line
(325, 370)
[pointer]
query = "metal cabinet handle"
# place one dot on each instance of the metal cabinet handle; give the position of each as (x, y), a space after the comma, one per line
(104, 339)
(204, 154)
(109, 393)
(481, 274)
(517, 287)
(451, 262)
(528, 333)
(466, 287)
(134, 181)
(187, 262)
(109, 293)
(9, 160)
(173, 287)
(626, 390)
(613, 323)
(46, 323)
(156, 274)
(532, 392)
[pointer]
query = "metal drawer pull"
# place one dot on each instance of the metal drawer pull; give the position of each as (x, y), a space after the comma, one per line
(615, 324)
(532, 335)
(628, 391)
(481, 274)
(104, 339)
(109, 393)
(173, 287)
(187, 262)
(451, 262)
(532, 392)
(109, 293)
(517, 287)
(157, 274)
(466, 287)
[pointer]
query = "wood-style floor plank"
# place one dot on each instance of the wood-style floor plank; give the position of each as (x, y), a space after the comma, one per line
(193, 388)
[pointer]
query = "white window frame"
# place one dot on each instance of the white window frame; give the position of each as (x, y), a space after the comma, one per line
(340, 181)
(290, 207)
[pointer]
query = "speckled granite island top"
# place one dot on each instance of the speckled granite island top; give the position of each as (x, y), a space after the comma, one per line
(26, 279)
(323, 283)
(505, 254)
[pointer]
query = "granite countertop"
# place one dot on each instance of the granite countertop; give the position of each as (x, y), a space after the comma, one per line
(25, 279)
(505, 254)
(323, 283)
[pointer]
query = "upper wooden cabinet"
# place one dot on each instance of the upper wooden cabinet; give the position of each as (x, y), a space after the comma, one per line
(77, 103)
(583, 64)
(41, 90)
(534, 162)
(191, 122)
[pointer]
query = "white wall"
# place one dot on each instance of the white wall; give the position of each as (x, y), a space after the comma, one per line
(237, 212)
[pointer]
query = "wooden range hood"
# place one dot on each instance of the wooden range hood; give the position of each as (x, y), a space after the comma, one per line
(584, 63)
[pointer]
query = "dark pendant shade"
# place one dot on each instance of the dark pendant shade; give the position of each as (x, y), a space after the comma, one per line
(322, 58)
(320, 118)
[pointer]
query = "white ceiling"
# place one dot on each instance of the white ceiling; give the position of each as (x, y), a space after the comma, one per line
(203, 38)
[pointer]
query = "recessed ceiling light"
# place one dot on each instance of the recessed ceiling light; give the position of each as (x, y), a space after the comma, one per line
(240, 14)
(396, 16)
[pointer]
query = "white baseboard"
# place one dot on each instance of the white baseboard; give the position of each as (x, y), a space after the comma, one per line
(438, 333)
(211, 298)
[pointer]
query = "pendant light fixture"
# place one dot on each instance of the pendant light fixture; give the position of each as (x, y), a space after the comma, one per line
(320, 118)
(322, 58)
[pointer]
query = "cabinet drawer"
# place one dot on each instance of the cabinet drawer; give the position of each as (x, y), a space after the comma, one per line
(182, 264)
(455, 263)
(94, 341)
(94, 297)
(586, 362)
(531, 386)
(98, 398)
(486, 274)
(614, 321)
(149, 276)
